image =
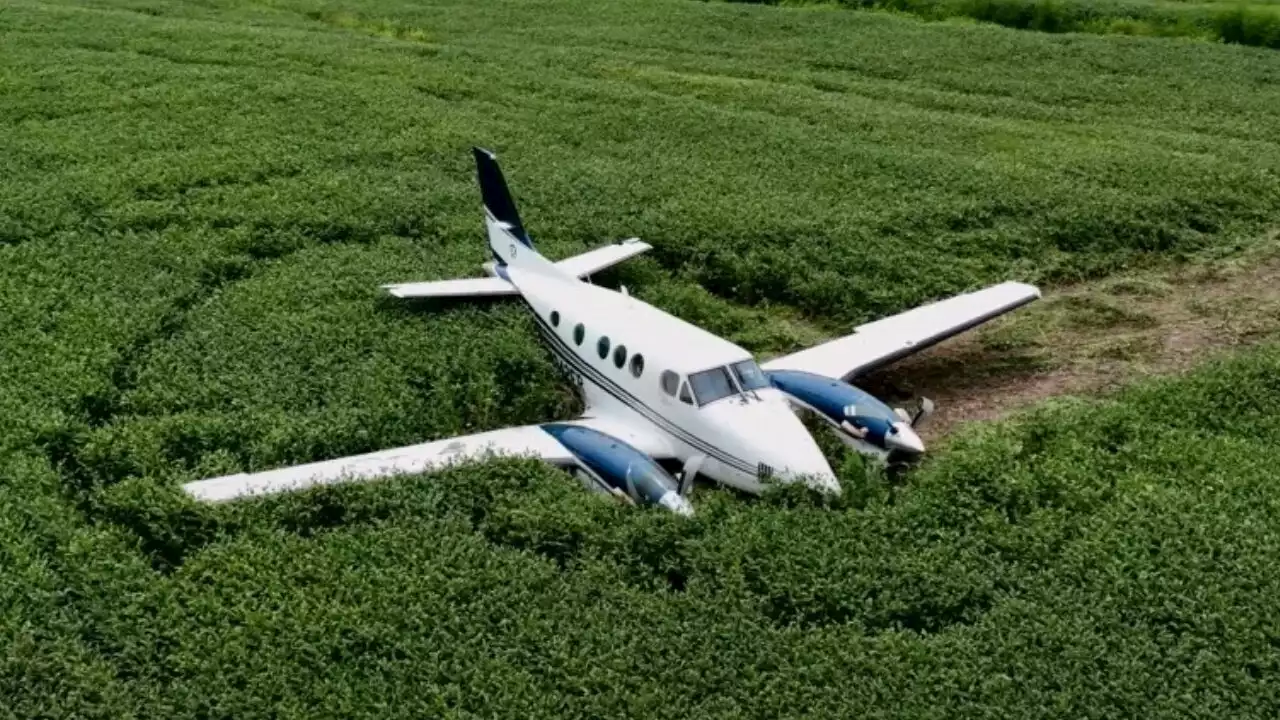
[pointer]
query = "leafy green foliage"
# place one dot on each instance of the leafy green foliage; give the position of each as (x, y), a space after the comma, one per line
(199, 201)
(1089, 554)
(1249, 25)
(1229, 21)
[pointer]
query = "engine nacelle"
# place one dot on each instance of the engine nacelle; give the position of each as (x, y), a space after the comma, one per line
(863, 422)
(618, 468)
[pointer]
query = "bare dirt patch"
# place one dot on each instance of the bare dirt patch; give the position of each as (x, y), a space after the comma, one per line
(1091, 339)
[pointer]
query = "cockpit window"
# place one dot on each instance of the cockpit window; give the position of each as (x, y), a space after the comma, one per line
(749, 375)
(670, 381)
(686, 397)
(712, 385)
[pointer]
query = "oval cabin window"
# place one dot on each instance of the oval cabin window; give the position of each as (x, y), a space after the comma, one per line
(578, 332)
(555, 318)
(603, 346)
(637, 364)
(620, 355)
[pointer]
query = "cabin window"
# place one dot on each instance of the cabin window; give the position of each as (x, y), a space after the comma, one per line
(637, 364)
(555, 318)
(749, 375)
(578, 332)
(712, 385)
(670, 381)
(685, 396)
(602, 346)
(620, 355)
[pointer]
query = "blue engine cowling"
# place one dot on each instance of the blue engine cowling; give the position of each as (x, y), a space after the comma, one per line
(858, 414)
(621, 467)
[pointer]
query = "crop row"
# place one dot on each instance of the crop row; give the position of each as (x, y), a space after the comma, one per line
(1240, 23)
(1110, 558)
(199, 201)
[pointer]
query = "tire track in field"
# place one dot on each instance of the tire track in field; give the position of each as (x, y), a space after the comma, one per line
(1093, 339)
(67, 446)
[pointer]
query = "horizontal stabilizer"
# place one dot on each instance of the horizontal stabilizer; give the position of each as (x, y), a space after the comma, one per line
(589, 262)
(470, 287)
(594, 261)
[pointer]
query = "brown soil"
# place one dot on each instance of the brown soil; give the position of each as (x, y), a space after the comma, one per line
(1089, 340)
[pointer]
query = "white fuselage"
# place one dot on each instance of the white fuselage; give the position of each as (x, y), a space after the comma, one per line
(745, 436)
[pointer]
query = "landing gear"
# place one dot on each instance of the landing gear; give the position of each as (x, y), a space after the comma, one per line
(689, 472)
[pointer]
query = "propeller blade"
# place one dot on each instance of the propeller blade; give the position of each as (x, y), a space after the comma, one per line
(689, 472)
(926, 409)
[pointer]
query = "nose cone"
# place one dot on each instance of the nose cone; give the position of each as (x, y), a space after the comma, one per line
(904, 441)
(818, 475)
(676, 503)
(785, 445)
(801, 461)
(767, 433)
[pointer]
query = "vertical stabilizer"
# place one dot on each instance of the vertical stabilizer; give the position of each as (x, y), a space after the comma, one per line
(499, 207)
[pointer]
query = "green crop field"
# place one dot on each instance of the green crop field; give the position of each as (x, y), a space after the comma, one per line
(1255, 22)
(198, 201)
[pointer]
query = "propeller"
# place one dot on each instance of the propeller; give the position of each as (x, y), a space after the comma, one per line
(926, 409)
(689, 472)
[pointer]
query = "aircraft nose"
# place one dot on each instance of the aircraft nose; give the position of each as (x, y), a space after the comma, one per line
(905, 440)
(813, 471)
(821, 481)
(767, 434)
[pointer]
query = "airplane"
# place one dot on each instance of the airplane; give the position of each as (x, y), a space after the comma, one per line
(659, 392)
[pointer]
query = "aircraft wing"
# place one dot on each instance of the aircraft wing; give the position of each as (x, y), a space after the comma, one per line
(883, 341)
(596, 260)
(469, 287)
(526, 440)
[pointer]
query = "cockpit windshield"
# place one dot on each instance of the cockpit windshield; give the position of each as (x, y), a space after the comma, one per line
(749, 375)
(712, 385)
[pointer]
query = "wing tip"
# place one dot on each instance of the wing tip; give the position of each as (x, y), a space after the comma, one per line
(455, 288)
(212, 490)
(1023, 289)
(1028, 288)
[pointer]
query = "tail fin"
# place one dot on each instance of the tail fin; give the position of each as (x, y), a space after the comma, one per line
(511, 247)
(498, 205)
